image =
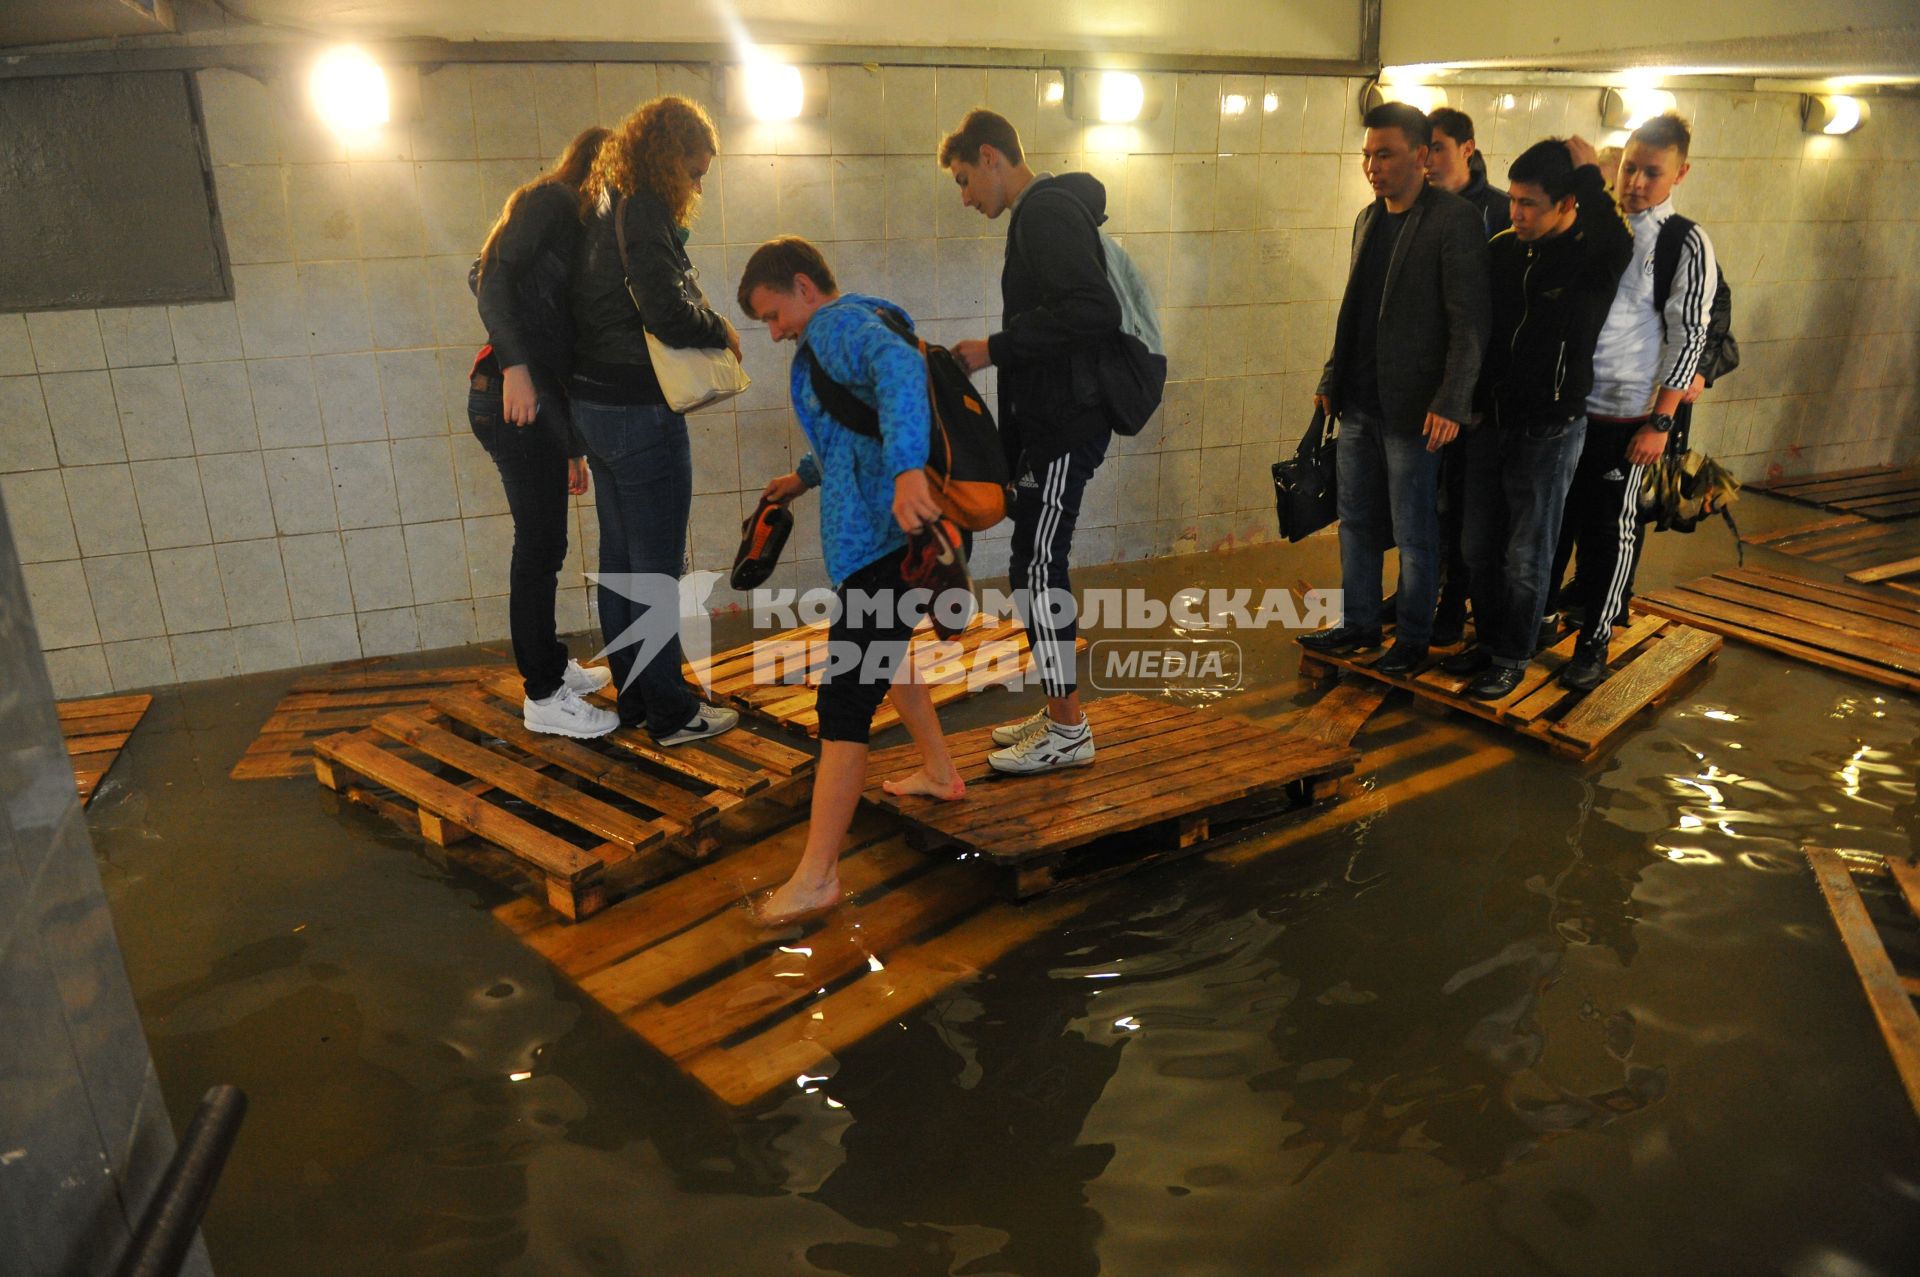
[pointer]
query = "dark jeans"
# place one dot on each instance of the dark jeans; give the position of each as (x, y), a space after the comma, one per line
(1389, 489)
(1454, 573)
(1517, 482)
(867, 647)
(533, 470)
(643, 489)
(1046, 509)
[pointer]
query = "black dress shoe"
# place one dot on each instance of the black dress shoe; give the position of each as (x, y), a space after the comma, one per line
(1401, 659)
(1495, 684)
(1586, 671)
(1471, 661)
(1341, 638)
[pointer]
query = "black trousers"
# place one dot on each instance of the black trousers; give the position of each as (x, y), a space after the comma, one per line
(1046, 509)
(867, 645)
(533, 469)
(1601, 530)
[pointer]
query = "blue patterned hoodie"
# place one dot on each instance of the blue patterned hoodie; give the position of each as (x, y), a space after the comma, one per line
(855, 348)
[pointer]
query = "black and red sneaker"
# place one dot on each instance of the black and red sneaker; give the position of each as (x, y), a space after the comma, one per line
(763, 536)
(937, 561)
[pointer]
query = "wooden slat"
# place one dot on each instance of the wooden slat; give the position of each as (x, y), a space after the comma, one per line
(913, 977)
(1885, 571)
(542, 850)
(278, 766)
(101, 724)
(1337, 717)
(1116, 720)
(1810, 652)
(1837, 615)
(1892, 1007)
(689, 810)
(104, 706)
(1866, 485)
(580, 810)
(726, 935)
(106, 744)
(1634, 688)
(1788, 483)
(785, 978)
(1906, 875)
(1838, 595)
(421, 678)
(1778, 535)
(1905, 509)
(1737, 621)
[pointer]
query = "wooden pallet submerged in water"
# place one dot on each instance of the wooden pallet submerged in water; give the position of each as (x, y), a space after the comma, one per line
(1165, 782)
(748, 1013)
(1890, 993)
(1647, 659)
(1872, 492)
(584, 821)
(1851, 629)
(774, 677)
(337, 700)
(95, 732)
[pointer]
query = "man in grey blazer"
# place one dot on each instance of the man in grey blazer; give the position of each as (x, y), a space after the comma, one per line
(1406, 353)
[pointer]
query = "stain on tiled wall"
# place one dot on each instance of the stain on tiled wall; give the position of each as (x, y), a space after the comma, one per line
(288, 478)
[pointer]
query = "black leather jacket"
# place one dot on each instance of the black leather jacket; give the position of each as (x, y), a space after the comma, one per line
(610, 342)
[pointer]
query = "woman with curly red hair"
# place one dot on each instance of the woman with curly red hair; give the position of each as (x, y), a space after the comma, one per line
(645, 189)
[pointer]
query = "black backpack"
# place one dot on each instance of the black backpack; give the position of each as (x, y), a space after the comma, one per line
(966, 464)
(1722, 354)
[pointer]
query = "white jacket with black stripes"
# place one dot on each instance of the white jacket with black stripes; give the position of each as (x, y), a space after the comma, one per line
(1638, 353)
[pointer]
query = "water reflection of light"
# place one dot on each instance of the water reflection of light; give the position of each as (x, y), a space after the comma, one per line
(801, 950)
(518, 1077)
(1850, 774)
(874, 963)
(1128, 1023)
(1691, 823)
(1722, 716)
(1104, 975)
(1689, 855)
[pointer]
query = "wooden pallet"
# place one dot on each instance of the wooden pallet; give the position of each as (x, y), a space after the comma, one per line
(341, 699)
(1872, 492)
(582, 820)
(1865, 551)
(1165, 781)
(1890, 993)
(96, 731)
(749, 1014)
(1648, 659)
(1849, 628)
(774, 677)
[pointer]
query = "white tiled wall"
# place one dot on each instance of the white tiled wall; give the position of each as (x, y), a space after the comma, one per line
(289, 478)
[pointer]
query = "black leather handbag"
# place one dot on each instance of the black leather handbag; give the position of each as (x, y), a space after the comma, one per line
(1306, 488)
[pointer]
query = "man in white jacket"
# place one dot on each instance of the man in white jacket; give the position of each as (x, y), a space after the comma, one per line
(1645, 366)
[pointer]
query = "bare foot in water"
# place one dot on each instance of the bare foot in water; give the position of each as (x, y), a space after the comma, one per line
(793, 901)
(926, 786)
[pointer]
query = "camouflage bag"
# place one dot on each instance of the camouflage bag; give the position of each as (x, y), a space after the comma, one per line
(1677, 492)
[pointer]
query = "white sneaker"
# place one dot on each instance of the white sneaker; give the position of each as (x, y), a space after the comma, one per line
(711, 720)
(565, 714)
(1046, 750)
(586, 679)
(1014, 733)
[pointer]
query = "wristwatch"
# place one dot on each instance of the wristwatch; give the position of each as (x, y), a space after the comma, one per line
(1661, 422)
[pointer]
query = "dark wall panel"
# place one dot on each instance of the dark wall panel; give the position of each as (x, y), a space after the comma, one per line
(104, 196)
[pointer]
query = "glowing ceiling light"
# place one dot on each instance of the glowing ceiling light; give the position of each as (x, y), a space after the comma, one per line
(1630, 107)
(1831, 113)
(1270, 103)
(1121, 97)
(1056, 91)
(775, 90)
(350, 91)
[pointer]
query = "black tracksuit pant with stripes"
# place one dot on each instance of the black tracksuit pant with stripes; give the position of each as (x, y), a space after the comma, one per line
(1602, 526)
(1045, 510)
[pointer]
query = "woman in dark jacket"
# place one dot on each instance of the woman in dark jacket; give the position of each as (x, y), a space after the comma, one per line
(518, 409)
(646, 179)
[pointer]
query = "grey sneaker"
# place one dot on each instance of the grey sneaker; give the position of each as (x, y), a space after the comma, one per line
(709, 720)
(1046, 750)
(565, 713)
(1015, 732)
(586, 679)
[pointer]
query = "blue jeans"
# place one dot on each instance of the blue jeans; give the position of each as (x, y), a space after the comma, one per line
(533, 470)
(643, 489)
(1389, 494)
(1517, 481)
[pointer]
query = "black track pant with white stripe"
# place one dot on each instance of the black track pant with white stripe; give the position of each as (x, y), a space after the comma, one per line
(1045, 510)
(1603, 521)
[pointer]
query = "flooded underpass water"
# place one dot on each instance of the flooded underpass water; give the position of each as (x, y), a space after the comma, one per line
(1544, 1019)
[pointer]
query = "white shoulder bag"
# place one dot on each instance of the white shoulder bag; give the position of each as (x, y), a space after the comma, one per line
(691, 377)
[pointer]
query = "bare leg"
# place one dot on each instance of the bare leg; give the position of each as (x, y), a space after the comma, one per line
(937, 777)
(1065, 710)
(837, 783)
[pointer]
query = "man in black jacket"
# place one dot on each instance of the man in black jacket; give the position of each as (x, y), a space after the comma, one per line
(1406, 353)
(1060, 316)
(1455, 165)
(1554, 275)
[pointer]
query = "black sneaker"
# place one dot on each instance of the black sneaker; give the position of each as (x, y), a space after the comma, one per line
(1341, 638)
(1471, 661)
(1586, 671)
(1401, 659)
(1497, 683)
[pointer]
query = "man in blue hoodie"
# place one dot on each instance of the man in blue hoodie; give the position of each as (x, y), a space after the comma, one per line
(873, 493)
(1060, 318)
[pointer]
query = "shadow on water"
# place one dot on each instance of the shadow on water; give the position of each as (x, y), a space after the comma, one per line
(1547, 1019)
